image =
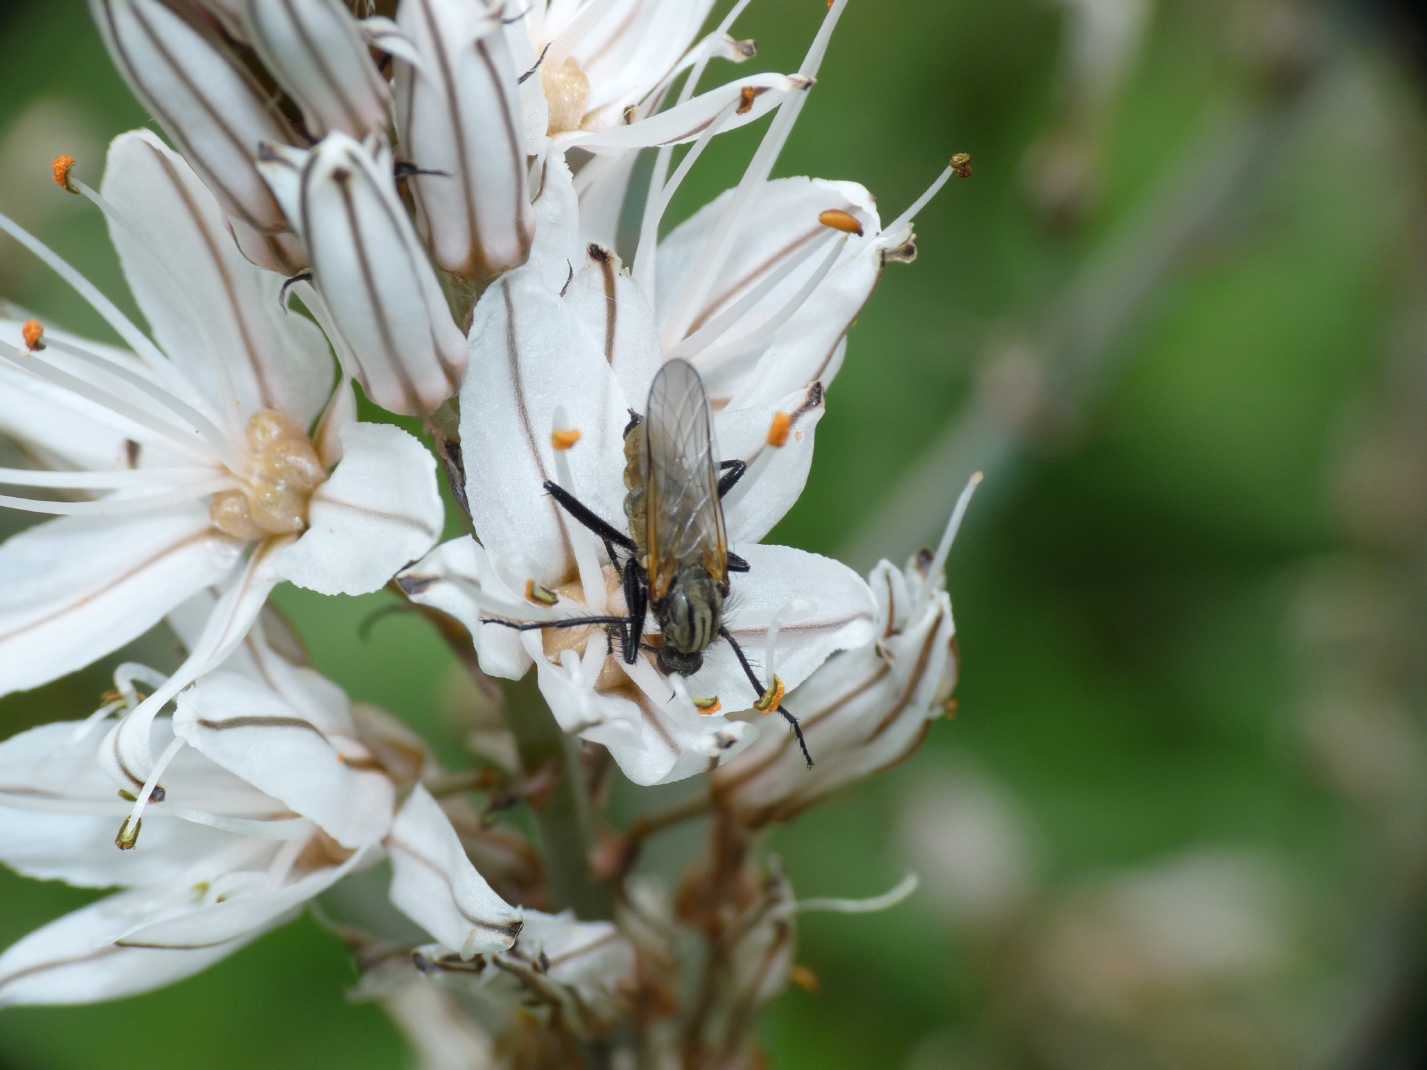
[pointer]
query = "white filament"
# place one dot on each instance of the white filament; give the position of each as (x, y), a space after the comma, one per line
(886, 901)
(953, 525)
(891, 232)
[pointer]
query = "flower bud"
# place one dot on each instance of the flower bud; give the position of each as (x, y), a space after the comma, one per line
(458, 117)
(376, 293)
(316, 52)
(210, 107)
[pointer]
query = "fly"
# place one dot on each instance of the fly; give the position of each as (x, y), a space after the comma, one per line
(676, 556)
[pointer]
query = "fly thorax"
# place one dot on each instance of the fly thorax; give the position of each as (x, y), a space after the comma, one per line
(283, 470)
(690, 615)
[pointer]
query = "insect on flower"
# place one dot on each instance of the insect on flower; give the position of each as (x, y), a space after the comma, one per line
(677, 561)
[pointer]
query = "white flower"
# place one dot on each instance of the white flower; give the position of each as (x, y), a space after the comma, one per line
(456, 111)
(549, 368)
(317, 52)
(212, 108)
(866, 709)
(205, 448)
(373, 288)
(271, 794)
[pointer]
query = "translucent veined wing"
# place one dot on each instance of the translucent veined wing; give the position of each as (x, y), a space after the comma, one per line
(683, 515)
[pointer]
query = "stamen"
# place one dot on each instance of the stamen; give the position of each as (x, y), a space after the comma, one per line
(727, 231)
(100, 479)
(772, 697)
(953, 525)
(899, 892)
(805, 979)
(564, 440)
(959, 166)
(779, 429)
(128, 835)
(114, 506)
(189, 441)
(108, 311)
(711, 331)
(94, 719)
(581, 540)
(33, 332)
(59, 171)
(708, 706)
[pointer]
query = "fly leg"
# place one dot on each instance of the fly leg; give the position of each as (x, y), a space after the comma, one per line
(732, 472)
(611, 535)
(758, 686)
(636, 601)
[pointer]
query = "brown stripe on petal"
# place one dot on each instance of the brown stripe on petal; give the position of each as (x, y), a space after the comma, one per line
(918, 671)
(211, 246)
(750, 277)
(255, 721)
(611, 314)
(316, 55)
(510, 929)
(380, 514)
(73, 960)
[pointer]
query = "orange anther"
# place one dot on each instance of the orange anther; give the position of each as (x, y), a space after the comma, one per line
(563, 440)
(747, 96)
(951, 707)
(708, 706)
(773, 697)
(805, 979)
(838, 219)
(778, 430)
(33, 332)
(60, 171)
(960, 165)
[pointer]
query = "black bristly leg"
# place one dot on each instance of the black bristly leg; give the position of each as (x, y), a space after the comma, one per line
(732, 472)
(589, 518)
(540, 625)
(636, 602)
(758, 686)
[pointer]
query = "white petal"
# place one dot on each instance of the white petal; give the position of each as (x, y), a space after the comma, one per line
(558, 246)
(828, 608)
(654, 736)
(215, 314)
(862, 712)
(589, 959)
(776, 474)
(75, 960)
(458, 579)
(51, 423)
(779, 227)
(379, 511)
(316, 52)
(318, 768)
(627, 47)
(434, 883)
(254, 907)
(60, 813)
(617, 315)
(458, 115)
(528, 350)
(373, 275)
(751, 98)
(212, 109)
(76, 588)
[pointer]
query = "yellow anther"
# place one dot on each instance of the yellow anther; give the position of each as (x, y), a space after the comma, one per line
(60, 170)
(805, 979)
(773, 697)
(779, 429)
(33, 332)
(128, 834)
(838, 219)
(960, 165)
(708, 706)
(951, 707)
(564, 440)
(540, 594)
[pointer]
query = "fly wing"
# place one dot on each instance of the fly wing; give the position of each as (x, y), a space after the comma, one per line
(683, 514)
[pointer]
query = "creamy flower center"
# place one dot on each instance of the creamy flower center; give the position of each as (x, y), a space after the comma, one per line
(567, 91)
(283, 471)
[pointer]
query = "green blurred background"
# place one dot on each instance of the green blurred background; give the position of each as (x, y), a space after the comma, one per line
(1179, 317)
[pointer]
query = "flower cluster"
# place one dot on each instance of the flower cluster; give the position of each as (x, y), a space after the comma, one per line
(428, 206)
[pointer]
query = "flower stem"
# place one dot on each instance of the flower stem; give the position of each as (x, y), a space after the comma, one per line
(564, 817)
